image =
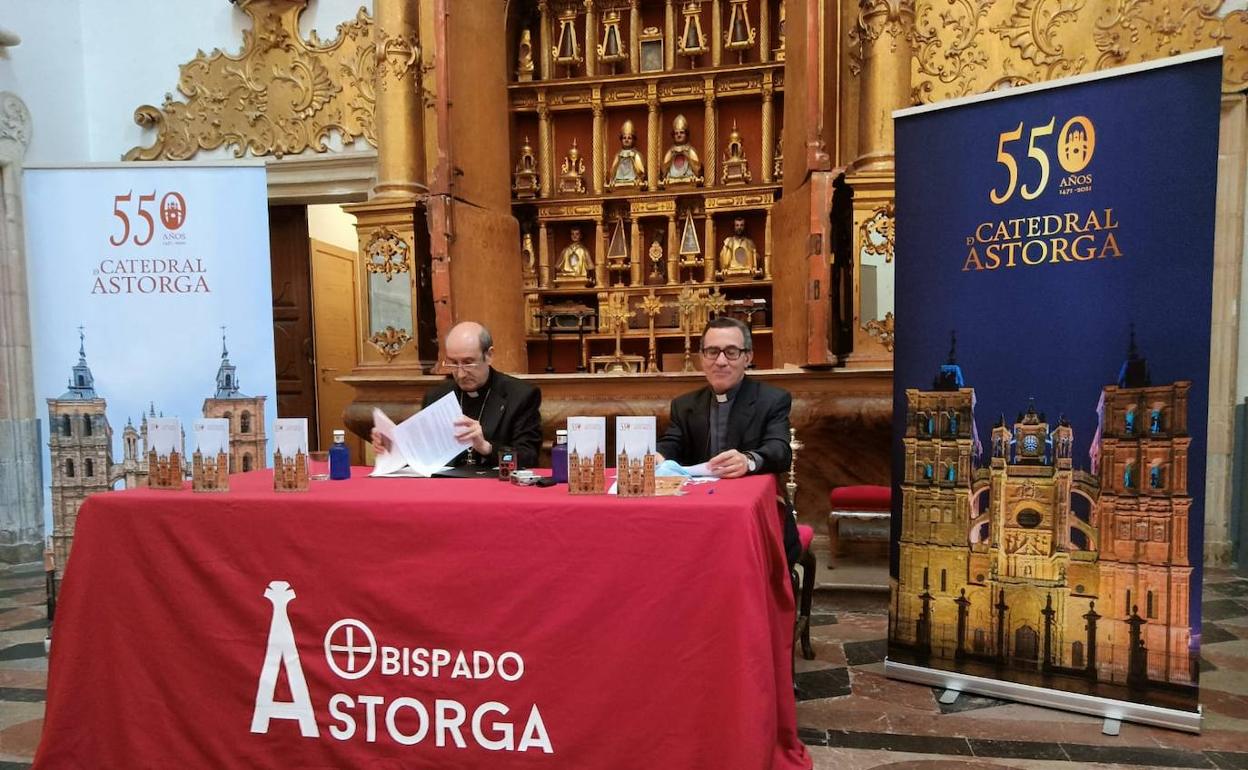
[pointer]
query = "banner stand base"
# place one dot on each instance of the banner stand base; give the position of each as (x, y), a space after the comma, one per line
(1124, 711)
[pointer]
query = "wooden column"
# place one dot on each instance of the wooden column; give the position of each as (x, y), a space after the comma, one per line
(547, 40)
(591, 39)
(717, 34)
(673, 259)
(669, 42)
(710, 255)
(769, 128)
(637, 249)
(634, 36)
(399, 126)
(709, 145)
(886, 37)
(598, 161)
(767, 249)
(652, 137)
(545, 146)
(543, 256)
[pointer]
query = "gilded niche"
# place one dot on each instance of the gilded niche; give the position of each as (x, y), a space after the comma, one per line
(280, 95)
(972, 46)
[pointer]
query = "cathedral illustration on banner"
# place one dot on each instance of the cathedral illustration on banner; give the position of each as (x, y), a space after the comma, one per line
(1024, 566)
(80, 442)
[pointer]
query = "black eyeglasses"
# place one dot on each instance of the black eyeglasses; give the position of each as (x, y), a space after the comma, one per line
(732, 353)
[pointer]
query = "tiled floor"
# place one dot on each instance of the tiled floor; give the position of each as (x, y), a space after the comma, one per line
(852, 717)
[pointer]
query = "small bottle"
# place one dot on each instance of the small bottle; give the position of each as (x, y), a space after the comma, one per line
(559, 457)
(339, 457)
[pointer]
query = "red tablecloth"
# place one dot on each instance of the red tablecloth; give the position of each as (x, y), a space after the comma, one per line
(654, 634)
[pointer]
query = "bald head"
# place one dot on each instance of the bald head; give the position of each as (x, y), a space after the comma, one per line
(469, 349)
(469, 336)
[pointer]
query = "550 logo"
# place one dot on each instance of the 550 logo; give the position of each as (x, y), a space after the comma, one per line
(172, 213)
(1076, 142)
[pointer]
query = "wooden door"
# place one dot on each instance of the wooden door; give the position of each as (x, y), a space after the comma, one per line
(336, 335)
(292, 315)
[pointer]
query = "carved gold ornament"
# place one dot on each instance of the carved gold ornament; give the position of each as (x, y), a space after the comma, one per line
(879, 233)
(280, 95)
(386, 253)
(967, 47)
(879, 19)
(390, 342)
(882, 330)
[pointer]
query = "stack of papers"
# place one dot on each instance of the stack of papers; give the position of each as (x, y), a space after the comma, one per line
(421, 445)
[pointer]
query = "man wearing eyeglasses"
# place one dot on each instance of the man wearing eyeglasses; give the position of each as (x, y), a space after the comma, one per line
(499, 410)
(737, 425)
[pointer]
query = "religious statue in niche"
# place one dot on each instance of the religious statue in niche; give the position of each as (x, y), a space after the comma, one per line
(738, 256)
(690, 250)
(611, 49)
(740, 35)
(525, 181)
(528, 260)
(736, 167)
(574, 262)
(566, 50)
(681, 165)
(627, 170)
(692, 42)
(572, 173)
(524, 70)
(777, 164)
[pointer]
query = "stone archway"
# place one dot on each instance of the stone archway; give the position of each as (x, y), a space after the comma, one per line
(21, 495)
(1026, 643)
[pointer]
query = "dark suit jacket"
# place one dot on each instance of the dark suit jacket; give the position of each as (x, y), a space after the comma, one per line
(758, 422)
(511, 417)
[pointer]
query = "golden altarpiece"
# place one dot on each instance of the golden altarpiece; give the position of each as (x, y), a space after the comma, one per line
(662, 223)
(731, 156)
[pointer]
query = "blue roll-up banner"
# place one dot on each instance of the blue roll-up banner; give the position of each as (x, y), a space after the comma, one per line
(150, 297)
(1054, 280)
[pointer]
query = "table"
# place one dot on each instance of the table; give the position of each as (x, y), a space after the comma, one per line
(433, 623)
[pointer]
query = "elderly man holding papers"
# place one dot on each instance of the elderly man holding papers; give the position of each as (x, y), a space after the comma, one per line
(498, 410)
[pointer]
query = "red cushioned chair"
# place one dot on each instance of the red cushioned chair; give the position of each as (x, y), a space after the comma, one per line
(861, 503)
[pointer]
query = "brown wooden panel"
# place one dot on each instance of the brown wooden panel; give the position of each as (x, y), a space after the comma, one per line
(292, 315)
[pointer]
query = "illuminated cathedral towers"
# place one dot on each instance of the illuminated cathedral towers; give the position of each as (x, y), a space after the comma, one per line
(1035, 564)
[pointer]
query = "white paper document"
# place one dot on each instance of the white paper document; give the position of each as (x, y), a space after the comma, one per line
(290, 435)
(421, 445)
(164, 435)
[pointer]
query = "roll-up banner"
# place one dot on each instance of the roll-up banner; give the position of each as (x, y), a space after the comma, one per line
(150, 297)
(1054, 281)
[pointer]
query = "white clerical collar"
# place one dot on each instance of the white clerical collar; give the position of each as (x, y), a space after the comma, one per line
(721, 398)
(474, 394)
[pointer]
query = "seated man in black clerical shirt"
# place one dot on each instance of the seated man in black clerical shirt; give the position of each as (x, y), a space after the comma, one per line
(737, 425)
(499, 410)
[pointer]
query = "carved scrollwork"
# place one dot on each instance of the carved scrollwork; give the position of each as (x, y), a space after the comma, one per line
(1138, 30)
(878, 19)
(390, 342)
(1037, 40)
(280, 95)
(952, 59)
(878, 233)
(398, 55)
(386, 253)
(882, 330)
(14, 119)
